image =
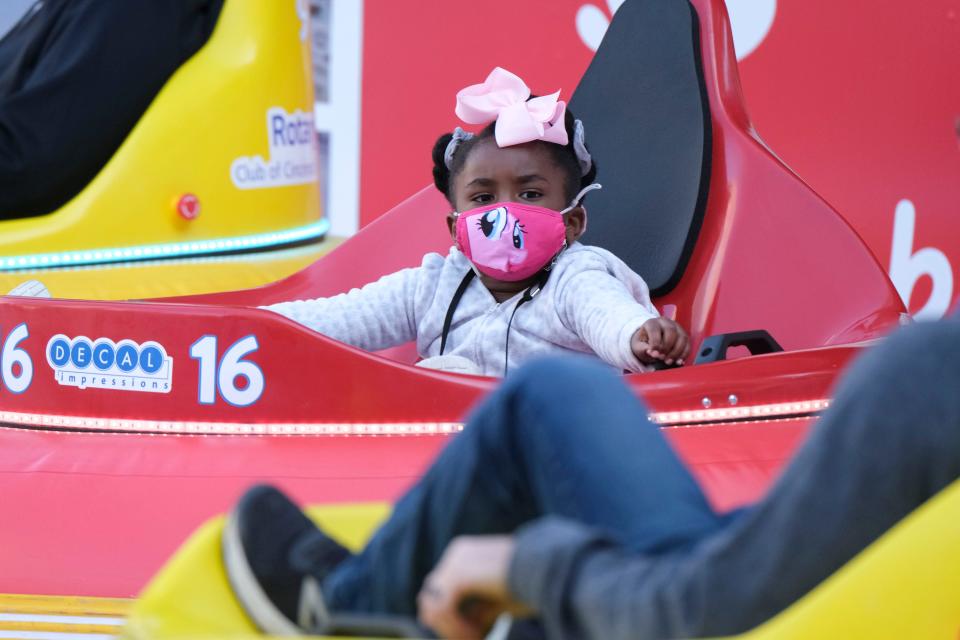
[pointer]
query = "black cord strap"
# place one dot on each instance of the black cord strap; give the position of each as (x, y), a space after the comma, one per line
(527, 296)
(471, 274)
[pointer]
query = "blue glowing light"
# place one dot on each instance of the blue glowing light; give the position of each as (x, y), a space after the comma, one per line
(313, 231)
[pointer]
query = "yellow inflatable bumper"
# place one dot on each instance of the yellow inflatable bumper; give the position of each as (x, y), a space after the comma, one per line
(191, 597)
(223, 161)
(905, 585)
(161, 279)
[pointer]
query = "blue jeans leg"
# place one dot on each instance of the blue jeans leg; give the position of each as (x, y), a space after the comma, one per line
(560, 436)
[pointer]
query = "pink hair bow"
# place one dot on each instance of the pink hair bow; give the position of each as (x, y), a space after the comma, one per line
(503, 97)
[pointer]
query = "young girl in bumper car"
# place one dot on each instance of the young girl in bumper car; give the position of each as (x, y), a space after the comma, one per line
(517, 283)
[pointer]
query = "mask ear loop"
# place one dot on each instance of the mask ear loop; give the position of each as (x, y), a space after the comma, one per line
(456, 242)
(593, 186)
(576, 203)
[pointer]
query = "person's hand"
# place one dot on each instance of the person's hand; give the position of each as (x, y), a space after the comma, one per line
(660, 339)
(467, 590)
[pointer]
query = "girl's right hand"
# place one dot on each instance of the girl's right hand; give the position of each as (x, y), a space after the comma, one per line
(660, 339)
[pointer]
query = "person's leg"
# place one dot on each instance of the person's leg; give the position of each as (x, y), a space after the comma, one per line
(890, 441)
(564, 437)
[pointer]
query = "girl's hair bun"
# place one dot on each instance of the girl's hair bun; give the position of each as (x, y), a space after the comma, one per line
(441, 174)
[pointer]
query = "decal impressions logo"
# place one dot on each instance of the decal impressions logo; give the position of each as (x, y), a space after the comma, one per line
(105, 364)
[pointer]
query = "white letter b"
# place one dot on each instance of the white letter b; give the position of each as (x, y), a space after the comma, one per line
(906, 267)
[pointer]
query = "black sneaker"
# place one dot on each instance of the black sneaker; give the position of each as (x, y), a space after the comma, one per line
(276, 559)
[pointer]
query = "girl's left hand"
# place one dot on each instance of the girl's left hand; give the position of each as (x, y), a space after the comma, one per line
(660, 339)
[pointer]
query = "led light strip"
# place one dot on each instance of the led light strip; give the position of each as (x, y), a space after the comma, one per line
(373, 428)
(740, 413)
(232, 428)
(311, 231)
(54, 635)
(61, 619)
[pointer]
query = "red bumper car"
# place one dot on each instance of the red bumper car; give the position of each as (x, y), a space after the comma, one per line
(104, 470)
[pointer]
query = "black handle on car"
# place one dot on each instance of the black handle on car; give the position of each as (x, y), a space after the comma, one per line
(757, 341)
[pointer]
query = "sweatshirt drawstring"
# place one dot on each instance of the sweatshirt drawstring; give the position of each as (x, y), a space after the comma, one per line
(527, 296)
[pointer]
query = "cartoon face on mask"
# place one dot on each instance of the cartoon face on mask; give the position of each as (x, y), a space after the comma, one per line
(510, 241)
(513, 241)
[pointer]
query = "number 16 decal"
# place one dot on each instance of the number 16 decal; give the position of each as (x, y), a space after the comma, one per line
(222, 376)
(16, 380)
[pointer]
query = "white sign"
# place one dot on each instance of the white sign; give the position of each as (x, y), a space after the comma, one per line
(293, 154)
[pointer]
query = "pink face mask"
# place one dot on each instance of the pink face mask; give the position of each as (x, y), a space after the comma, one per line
(512, 241)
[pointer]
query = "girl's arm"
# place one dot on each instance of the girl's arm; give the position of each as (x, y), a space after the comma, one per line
(605, 314)
(376, 316)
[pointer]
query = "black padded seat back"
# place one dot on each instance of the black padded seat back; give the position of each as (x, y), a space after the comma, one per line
(647, 122)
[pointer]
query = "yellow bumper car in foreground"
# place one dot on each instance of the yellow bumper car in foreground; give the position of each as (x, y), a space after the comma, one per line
(904, 585)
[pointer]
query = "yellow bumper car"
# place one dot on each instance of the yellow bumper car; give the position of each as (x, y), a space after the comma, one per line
(215, 187)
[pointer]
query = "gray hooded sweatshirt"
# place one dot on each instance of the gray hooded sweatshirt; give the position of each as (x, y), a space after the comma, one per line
(592, 303)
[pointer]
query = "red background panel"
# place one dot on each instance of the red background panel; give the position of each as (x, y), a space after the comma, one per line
(417, 56)
(862, 100)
